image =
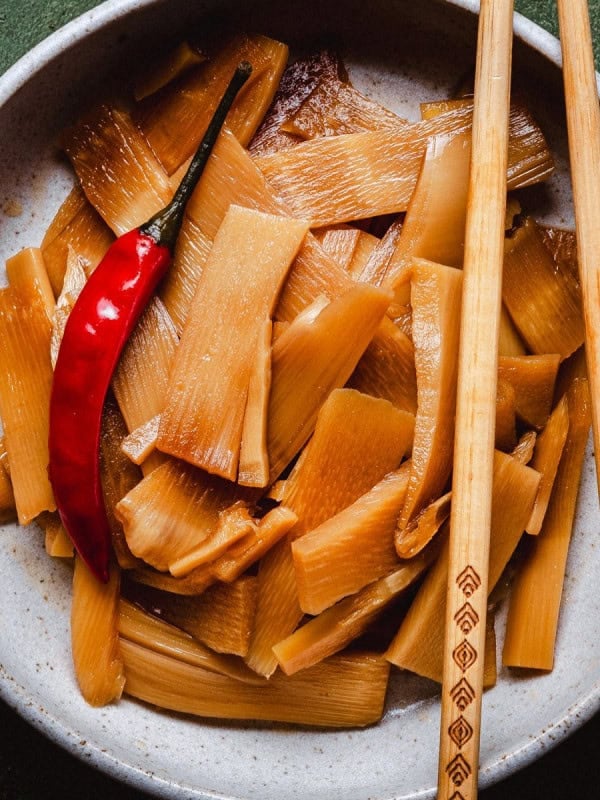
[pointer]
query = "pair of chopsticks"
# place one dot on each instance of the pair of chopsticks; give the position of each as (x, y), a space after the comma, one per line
(478, 359)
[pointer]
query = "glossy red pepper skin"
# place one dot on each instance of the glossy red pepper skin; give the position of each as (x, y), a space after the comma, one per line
(98, 327)
(96, 332)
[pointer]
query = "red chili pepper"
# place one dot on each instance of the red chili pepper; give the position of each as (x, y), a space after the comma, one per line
(97, 329)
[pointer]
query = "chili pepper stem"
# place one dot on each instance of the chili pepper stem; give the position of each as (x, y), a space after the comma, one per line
(164, 226)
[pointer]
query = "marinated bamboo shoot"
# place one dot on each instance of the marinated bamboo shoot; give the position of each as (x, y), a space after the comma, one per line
(212, 368)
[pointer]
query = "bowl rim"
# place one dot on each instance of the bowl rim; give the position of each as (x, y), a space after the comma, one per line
(14, 695)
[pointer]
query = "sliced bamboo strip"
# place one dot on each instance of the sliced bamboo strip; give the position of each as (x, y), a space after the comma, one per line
(387, 369)
(548, 451)
(118, 171)
(8, 511)
(436, 302)
(119, 476)
(376, 267)
(26, 272)
(141, 379)
(509, 340)
(56, 539)
(138, 445)
(409, 541)
(434, 226)
(25, 384)
(344, 691)
(543, 300)
(145, 630)
(77, 225)
(418, 645)
(340, 624)
(173, 510)
(533, 379)
(340, 242)
(298, 81)
(342, 178)
(221, 617)
(254, 458)
(311, 358)
(189, 104)
(178, 288)
(95, 637)
(537, 589)
(348, 551)
(212, 367)
(335, 107)
(74, 279)
(357, 440)
(166, 69)
(365, 247)
(505, 436)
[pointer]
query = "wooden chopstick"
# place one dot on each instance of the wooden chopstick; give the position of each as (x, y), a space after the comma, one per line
(583, 124)
(475, 414)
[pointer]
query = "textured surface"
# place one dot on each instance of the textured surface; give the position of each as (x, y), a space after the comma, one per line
(30, 766)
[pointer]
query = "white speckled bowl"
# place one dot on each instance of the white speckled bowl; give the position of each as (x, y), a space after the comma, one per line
(401, 52)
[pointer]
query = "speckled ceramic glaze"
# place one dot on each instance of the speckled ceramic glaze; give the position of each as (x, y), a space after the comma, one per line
(401, 53)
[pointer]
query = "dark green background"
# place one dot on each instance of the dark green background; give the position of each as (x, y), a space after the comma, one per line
(33, 768)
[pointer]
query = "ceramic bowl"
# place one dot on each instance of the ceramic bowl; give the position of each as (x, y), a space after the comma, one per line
(402, 53)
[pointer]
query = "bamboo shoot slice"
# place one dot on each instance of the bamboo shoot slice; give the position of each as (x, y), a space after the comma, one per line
(335, 107)
(533, 379)
(178, 288)
(141, 628)
(118, 171)
(56, 539)
(26, 272)
(138, 445)
(119, 476)
(220, 618)
(172, 511)
(436, 300)
(344, 691)
(434, 226)
(418, 645)
(254, 458)
(350, 550)
(542, 296)
(310, 359)
(233, 524)
(340, 242)
(509, 340)
(94, 635)
(74, 280)
(376, 267)
(340, 624)
(141, 379)
(77, 225)
(296, 84)
(8, 510)
(506, 416)
(174, 64)
(387, 369)
(355, 176)
(546, 458)
(357, 440)
(212, 367)
(411, 540)
(537, 590)
(189, 104)
(25, 384)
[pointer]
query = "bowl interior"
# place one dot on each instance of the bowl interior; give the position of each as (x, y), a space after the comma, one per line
(401, 53)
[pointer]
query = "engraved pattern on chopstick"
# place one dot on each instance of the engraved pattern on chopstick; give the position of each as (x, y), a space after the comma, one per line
(464, 655)
(463, 694)
(458, 769)
(468, 581)
(466, 618)
(460, 731)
